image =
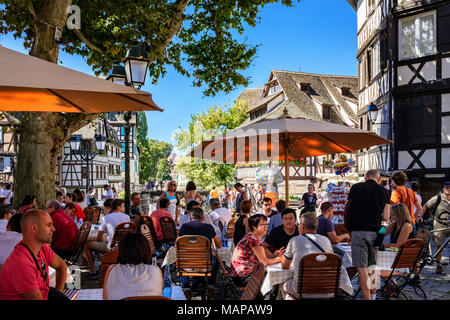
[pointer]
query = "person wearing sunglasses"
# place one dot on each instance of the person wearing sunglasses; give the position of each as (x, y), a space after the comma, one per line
(25, 274)
(174, 202)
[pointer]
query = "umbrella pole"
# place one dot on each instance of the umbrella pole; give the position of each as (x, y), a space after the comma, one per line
(286, 175)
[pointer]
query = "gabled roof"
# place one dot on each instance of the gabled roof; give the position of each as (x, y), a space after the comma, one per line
(251, 95)
(353, 3)
(263, 102)
(323, 89)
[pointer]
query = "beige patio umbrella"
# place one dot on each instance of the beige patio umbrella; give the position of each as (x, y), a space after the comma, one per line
(28, 83)
(284, 139)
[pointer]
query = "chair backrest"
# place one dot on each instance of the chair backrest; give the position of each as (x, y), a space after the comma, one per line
(230, 227)
(168, 229)
(89, 213)
(96, 215)
(220, 225)
(149, 222)
(82, 236)
(121, 230)
(147, 298)
(147, 234)
(193, 252)
(255, 282)
(408, 254)
(108, 259)
(319, 273)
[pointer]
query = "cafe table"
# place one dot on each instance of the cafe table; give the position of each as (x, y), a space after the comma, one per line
(276, 275)
(97, 294)
(225, 254)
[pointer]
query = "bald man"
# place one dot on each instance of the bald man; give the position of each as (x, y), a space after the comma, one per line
(20, 277)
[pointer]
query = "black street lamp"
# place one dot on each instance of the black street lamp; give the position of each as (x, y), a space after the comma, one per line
(131, 74)
(372, 114)
(83, 148)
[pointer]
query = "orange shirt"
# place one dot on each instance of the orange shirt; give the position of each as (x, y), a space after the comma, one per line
(406, 196)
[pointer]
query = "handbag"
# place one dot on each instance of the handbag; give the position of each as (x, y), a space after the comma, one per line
(53, 293)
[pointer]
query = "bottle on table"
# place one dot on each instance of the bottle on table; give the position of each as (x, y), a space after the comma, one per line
(167, 291)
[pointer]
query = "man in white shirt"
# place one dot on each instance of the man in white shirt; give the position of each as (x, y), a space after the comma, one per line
(11, 237)
(107, 226)
(6, 213)
(300, 246)
(109, 192)
(8, 194)
(218, 213)
(206, 218)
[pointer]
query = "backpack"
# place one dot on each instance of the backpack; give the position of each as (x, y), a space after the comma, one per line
(431, 214)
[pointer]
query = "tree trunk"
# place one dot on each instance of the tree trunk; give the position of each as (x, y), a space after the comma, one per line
(42, 134)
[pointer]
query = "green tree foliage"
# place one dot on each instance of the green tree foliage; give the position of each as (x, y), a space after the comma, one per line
(151, 152)
(201, 39)
(142, 128)
(163, 171)
(204, 126)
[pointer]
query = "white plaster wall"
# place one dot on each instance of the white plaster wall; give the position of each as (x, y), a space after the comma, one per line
(404, 74)
(318, 106)
(445, 129)
(429, 71)
(404, 159)
(446, 102)
(428, 159)
(446, 68)
(445, 158)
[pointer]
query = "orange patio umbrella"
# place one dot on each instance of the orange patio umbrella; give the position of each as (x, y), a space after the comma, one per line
(28, 83)
(285, 139)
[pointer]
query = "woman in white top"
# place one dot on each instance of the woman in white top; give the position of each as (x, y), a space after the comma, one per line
(133, 275)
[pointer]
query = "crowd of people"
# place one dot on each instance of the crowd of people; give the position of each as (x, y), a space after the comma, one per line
(31, 240)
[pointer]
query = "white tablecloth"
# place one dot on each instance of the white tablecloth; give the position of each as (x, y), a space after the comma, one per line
(384, 258)
(225, 254)
(97, 294)
(276, 275)
(52, 277)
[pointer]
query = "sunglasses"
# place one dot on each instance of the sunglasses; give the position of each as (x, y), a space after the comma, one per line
(44, 273)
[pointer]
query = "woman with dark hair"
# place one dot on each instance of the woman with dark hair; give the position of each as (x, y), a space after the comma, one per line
(192, 194)
(28, 203)
(81, 201)
(241, 226)
(250, 250)
(133, 275)
(79, 214)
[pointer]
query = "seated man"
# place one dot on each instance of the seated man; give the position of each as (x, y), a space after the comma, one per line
(158, 214)
(24, 275)
(279, 237)
(326, 227)
(267, 208)
(66, 229)
(198, 227)
(275, 220)
(218, 213)
(107, 226)
(186, 217)
(307, 242)
(6, 212)
(11, 237)
(135, 204)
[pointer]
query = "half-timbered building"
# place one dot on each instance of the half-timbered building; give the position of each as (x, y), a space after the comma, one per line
(404, 69)
(8, 146)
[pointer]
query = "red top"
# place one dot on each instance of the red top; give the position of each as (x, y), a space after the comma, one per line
(20, 275)
(244, 259)
(24, 209)
(155, 216)
(79, 214)
(66, 230)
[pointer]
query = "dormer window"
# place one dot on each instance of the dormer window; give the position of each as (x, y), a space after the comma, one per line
(345, 91)
(326, 112)
(305, 86)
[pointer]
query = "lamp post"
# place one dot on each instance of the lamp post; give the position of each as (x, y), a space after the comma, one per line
(132, 74)
(83, 148)
(372, 114)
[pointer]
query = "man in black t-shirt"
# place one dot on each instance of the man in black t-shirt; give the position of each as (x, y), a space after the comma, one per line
(369, 205)
(197, 227)
(279, 237)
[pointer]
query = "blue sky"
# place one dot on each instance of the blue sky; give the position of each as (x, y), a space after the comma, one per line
(317, 36)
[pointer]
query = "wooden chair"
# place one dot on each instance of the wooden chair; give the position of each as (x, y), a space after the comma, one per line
(193, 257)
(169, 230)
(230, 227)
(255, 282)
(121, 230)
(146, 232)
(149, 223)
(96, 215)
(89, 213)
(319, 273)
(147, 298)
(340, 229)
(407, 257)
(108, 259)
(78, 244)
